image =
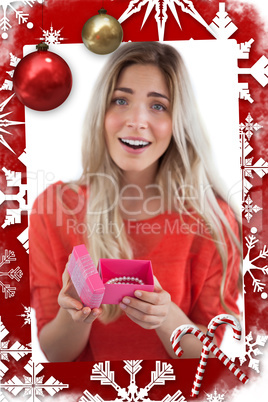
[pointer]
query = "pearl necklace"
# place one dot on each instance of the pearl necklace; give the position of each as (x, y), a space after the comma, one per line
(125, 280)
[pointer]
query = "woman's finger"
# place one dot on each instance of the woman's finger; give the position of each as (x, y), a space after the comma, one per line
(68, 302)
(144, 320)
(143, 307)
(160, 297)
(85, 315)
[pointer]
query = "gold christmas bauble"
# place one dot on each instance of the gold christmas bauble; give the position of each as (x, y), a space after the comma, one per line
(102, 34)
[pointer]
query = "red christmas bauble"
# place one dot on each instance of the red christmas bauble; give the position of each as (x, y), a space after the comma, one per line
(42, 80)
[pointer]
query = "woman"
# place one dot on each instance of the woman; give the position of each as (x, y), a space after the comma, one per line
(148, 191)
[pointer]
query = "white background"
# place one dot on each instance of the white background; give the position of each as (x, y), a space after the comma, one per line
(53, 138)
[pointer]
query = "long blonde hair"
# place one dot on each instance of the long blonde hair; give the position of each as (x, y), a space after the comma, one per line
(186, 160)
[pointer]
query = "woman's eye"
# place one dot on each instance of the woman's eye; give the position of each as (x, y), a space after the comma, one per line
(158, 107)
(120, 101)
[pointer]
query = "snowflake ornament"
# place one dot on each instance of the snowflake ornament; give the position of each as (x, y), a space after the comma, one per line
(248, 208)
(9, 6)
(7, 257)
(244, 49)
(244, 93)
(249, 266)
(260, 167)
(9, 291)
(249, 127)
(259, 71)
(27, 315)
(8, 84)
(161, 7)
(13, 273)
(23, 238)
(223, 28)
(14, 179)
(16, 351)
(33, 385)
(52, 36)
(243, 52)
(253, 350)
(215, 397)
(222, 25)
(163, 372)
(23, 158)
(6, 123)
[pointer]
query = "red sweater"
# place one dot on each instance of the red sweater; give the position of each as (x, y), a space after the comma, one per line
(186, 264)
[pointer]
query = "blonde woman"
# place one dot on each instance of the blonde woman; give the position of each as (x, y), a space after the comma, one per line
(148, 191)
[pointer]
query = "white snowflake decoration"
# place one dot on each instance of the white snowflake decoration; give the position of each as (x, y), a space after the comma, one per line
(246, 131)
(101, 372)
(244, 49)
(23, 158)
(8, 84)
(52, 36)
(161, 7)
(14, 180)
(249, 266)
(6, 123)
(221, 28)
(17, 351)
(215, 397)
(222, 25)
(33, 385)
(248, 208)
(249, 127)
(22, 17)
(243, 54)
(24, 239)
(9, 291)
(7, 257)
(13, 273)
(253, 350)
(244, 92)
(259, 71)
(27, 315)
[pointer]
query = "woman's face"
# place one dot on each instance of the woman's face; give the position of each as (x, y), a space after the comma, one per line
(138, 123)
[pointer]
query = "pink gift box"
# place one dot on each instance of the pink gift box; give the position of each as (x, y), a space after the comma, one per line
(85, 277)
(112, 268)
(93, 289)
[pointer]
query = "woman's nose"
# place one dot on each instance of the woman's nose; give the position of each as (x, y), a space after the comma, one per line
(137, 118)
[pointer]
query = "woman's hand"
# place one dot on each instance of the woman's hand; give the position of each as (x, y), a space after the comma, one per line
(149, 309)
(155, 310)
(69, 300)
(65, 337)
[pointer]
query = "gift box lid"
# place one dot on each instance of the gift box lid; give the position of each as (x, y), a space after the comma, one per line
(85, 277)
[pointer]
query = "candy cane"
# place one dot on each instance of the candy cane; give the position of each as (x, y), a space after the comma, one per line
(191, 329)
(212, 326)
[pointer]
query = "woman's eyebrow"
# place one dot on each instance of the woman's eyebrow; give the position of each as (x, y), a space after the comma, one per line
(123, 89)
(130, 91)
(158, 95)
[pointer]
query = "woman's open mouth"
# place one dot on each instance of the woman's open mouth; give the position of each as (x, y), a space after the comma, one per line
(134, 144)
